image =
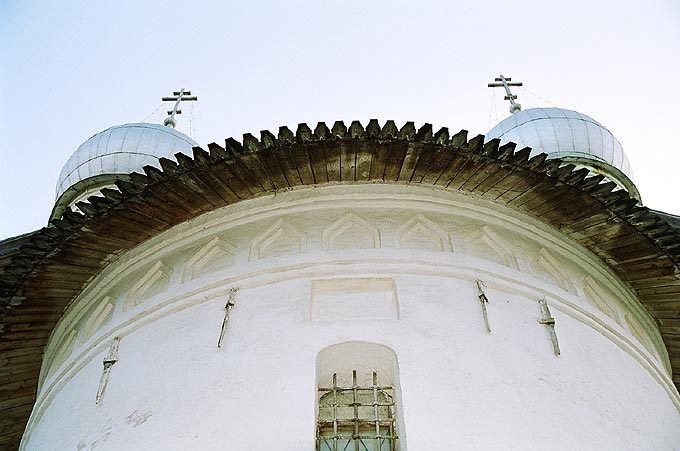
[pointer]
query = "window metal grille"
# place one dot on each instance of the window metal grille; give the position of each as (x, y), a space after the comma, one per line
(356, 418)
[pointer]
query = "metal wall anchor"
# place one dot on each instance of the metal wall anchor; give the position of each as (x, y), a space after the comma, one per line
(483, 300)
(549, 323)
(227, 310)
(109, 360)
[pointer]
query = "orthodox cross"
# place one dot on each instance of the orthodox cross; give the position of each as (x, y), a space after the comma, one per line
(505, 82)
(109, 360)
(227, 310)
(549, 322)
(483, 300)
(177, 97)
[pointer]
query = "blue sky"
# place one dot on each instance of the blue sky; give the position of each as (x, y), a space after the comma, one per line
(72, 69)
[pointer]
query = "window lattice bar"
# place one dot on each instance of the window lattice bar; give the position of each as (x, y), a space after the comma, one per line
(356, 418)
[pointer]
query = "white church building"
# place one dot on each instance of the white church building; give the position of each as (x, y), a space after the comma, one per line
(355, 286)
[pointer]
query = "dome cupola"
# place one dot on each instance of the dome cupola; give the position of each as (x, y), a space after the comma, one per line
(112, 154)
(570, 136)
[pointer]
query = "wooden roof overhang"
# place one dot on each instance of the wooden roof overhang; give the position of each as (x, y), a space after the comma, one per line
(42, 272)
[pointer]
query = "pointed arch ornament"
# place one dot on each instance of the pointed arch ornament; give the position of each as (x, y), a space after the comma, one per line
(154, 281)
(282, 238)
(420, 232)
(351, 232)
(216, 254)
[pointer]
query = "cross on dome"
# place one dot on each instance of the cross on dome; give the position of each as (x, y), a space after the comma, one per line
(177, 97)
(505, 82)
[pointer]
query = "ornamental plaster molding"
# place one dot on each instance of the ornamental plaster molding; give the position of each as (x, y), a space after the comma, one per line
(62, 351)
(215, 255)
(420, 232)
(549, 267)
(153, 282)
(638, 331)
(594, 294)
(98, 316)
(281, 238)
(351, 232)
(486, 238)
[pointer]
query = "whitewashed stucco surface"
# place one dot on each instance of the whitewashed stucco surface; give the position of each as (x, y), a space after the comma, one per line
(292, 256)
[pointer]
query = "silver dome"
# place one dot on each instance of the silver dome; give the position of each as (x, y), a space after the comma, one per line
(113, 153)
(570, 136)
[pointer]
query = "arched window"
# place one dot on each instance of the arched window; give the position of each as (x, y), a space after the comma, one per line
(357, 398)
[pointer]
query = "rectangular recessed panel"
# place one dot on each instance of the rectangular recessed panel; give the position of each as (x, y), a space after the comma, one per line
(354, 299)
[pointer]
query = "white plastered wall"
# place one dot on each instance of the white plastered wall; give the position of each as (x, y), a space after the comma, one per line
(415, 251)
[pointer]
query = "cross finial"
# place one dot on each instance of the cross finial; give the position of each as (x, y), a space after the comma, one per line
(505, 82)
(177, 97)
